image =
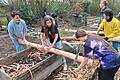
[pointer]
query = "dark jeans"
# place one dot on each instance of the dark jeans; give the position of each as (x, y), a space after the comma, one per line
(107, 74)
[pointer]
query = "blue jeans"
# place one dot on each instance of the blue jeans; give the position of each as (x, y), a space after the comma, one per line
(19, 47)
(57, 45)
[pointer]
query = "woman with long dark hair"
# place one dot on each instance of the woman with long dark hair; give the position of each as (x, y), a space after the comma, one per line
(50, 34)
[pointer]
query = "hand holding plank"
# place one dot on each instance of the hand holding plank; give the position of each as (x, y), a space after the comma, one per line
(117, 39)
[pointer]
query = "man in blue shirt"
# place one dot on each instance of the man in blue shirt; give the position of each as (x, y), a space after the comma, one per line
(17, 30)
(96, 47)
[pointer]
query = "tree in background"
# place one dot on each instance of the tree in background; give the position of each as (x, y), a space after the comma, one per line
(31, 9)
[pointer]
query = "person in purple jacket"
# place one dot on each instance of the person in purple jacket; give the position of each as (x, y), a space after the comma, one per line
(96, 47)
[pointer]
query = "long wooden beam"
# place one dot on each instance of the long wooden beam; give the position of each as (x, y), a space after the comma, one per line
(57, 51)
(68, 38)
(88, 32)
(66, 54)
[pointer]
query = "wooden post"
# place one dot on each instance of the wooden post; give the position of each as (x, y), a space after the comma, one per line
(66, 54)
(56, 51)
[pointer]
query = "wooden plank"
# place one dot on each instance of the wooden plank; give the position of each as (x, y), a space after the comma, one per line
(68, 38)
(39, 67)
(46, 72)
(57, 51)
(87, 31)
(67, 54)
(13, 57)
(51, 63)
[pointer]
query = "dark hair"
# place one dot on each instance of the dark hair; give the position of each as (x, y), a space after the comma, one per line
(108, 12)
(105, 2)
(47, 18)
(14, 13)
(80, 33)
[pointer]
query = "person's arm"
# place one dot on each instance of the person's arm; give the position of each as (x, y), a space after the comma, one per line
(101, 26)
(42, 38)
(12, 35)
(56, 37)
(83, 63)
(11, 31)
(88, 53)
(115, 30)
(15, 37)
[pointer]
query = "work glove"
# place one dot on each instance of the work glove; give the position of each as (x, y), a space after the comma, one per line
(106, 38)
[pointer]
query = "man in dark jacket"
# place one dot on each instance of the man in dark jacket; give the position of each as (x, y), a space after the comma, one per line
(103, 7)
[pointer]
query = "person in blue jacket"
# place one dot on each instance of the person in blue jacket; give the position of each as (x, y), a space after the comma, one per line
(96, 47)
(103, 8)
(17, 30)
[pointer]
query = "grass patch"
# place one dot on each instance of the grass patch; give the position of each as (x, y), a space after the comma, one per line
(63, 33)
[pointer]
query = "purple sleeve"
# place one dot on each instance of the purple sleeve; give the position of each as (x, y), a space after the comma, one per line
(88, 52)
(88, 48)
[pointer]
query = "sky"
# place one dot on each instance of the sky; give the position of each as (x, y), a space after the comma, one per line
(4, 1)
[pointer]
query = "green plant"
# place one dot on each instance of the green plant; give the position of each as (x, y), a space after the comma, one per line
(63, 9)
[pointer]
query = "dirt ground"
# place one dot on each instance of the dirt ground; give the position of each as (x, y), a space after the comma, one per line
(60, 74)
(7, 48)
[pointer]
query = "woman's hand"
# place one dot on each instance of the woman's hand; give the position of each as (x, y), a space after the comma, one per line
(83, 63)
(48, 48)
(41, 48)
